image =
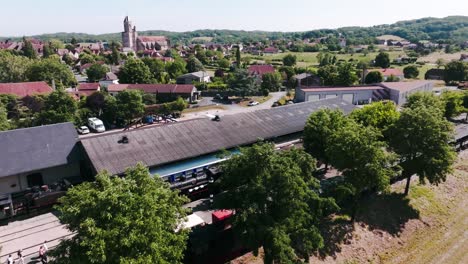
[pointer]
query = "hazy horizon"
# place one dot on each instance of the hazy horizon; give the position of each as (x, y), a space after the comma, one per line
(101, 17)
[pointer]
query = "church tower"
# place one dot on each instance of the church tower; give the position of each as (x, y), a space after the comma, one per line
(130, 35)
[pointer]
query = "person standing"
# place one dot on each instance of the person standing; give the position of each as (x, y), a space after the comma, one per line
(45, 246)
(20, 258)
(10, 259)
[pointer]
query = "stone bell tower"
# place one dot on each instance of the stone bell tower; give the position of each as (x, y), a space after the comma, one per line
(130, 35)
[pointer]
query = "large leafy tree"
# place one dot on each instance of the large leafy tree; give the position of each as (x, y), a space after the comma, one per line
(51, 70)
(157, 68)
(382, 60)
(28, 49)
(122, 220)
(224, 63)
(129, 105)
(373, 77)
(59, 107)
(411, 72)
(96, 72)
(276, 201)
(453, 102)
(135, 71)
(289, 60)
(320, 127)
(380, 115)
(176, 68)
(328, 74)
(456, 71)
(421, 137)
(346, 75)
(194, 65)
(271, 81)
(359, 154)
(13, 68)
(427, 99)
(242, 83)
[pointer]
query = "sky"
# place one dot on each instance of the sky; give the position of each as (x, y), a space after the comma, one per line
(30, 17)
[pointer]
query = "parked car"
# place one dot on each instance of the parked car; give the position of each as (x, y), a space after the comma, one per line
(96, 124)
(253, 103)
(83, 130)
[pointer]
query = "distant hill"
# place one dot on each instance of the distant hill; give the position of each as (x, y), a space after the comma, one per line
(448, 29)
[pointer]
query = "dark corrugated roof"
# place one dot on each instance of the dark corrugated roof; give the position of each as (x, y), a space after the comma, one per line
(178, 141)
(36, 148)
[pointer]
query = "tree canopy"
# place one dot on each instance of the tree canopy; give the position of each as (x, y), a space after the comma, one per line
(320, 126)
(421, 137)
(135, 71)
(373, 77)
(411, 72)
(129, 105)
(59, 107)
(242, 83)
(271, 81)
(50, 70)
(122, 220)
(276, 201)
(380, 115)
(382, 60)
(13, 68)
(456, 71)
(194, 65)
(289, 60)
(96, 72)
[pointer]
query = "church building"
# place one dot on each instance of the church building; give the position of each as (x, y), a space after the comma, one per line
(131, 40)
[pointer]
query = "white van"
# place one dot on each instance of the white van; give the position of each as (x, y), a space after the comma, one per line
(96, 124)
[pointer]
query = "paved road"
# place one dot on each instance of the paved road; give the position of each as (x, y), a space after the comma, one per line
(29, 234)
(234, 108)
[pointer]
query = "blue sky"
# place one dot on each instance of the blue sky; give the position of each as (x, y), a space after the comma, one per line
(27, 17)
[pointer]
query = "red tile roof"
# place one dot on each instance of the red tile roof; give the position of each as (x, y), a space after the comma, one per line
(152, 38)
(332, 88)
(389, 71)
(88, 86)
(25, 88)
(153, 88)
(261, 69)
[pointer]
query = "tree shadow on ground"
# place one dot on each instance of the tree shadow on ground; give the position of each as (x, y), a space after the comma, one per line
(387, 212)
(335, 232)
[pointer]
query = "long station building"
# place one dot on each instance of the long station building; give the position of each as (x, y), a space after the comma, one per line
(181, 152)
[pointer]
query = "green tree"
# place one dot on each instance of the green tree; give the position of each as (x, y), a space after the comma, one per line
(289, 60)
(176, 68)
(373, 77)
(382, 60)
(326, 58)
(426, 99)
(276, 201)
(56, 44)
(130, 219)
(242, 83)
(346, 75)
(47, 51)
(392, 78)
(96, 102)
(440, 62)
(59, 107)
(224, 63)
(4, 124)
(320, 127)
(271, 81)
(87, 58)
(96, 72)
(194, 65)
(115, 57)
(380, 115)
(361, 157)
(328, 74)
(453, 102)
(421, 137)
(73, 41)
(411, 72)
(238, 57)
(49, 70)
(135, 71)
(13, 68)
(28, 49)
(157, 68)
(129, 105)
(456, 71)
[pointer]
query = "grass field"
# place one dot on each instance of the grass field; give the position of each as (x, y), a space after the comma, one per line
(307, 59)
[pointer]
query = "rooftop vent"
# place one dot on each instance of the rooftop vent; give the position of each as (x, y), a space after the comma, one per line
(123, 140)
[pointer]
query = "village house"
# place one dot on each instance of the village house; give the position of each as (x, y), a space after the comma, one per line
(258, 70)
(189, 78)
(25, 88)
(163, 92)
